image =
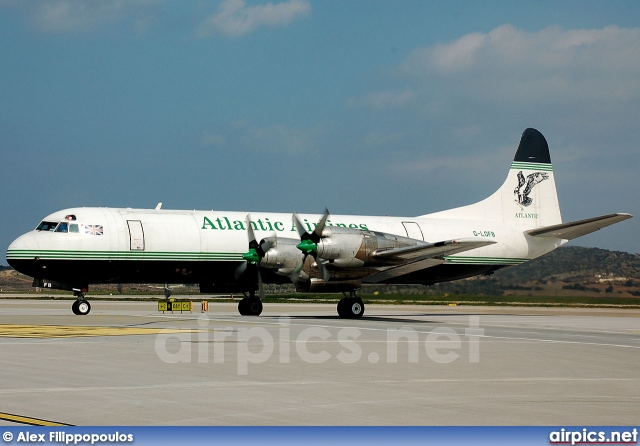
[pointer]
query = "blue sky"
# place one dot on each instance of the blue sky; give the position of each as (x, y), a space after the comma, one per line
(365, 107)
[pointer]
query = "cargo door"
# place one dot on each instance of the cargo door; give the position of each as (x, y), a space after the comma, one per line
(136, 235)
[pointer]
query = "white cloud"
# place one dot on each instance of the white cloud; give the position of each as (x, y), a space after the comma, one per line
(234, 18)
(508, 63)
(65, 16)
(458, 108)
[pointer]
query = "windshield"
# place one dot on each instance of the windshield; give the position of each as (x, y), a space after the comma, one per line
(47, 226)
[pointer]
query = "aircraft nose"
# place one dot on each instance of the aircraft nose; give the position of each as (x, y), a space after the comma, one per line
(21, 243)
(20, 249)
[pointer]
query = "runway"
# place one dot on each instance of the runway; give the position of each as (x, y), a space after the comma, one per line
(299, 364)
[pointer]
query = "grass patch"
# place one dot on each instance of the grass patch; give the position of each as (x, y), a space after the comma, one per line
(390, 299)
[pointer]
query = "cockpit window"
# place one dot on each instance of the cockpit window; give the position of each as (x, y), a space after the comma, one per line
(55, 226)
(47, 226)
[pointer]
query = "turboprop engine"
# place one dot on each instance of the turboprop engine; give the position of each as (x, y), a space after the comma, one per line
(330, 257)
(352, 248)
(282, 255)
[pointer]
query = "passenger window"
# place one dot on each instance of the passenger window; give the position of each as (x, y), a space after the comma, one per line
(62, 227)
(73, 227)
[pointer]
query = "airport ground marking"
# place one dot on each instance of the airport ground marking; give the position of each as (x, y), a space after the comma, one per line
(74, 331)
(29, 420)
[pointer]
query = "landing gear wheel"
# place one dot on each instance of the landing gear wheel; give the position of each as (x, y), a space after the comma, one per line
(350, 308)
(341, 312)
(84, 307)
(356, 308)
(81, 307)
(250, 306)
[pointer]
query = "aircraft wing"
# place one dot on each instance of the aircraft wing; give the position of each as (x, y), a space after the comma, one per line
(431, 250)
(574, 229)
(422, 256)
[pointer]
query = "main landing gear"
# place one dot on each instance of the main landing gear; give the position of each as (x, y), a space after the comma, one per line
(80, 307)
(250, 305)
(350, 307)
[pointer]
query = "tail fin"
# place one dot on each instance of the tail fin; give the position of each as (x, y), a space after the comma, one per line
(527, 198)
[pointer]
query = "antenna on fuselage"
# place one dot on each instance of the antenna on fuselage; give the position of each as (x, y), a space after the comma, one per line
(159, 206)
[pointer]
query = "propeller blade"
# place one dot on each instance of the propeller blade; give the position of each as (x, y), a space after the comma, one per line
(295, 275)
(256, 250)
(240, 269)
(309, 241)
(316, 235)
(250, 234)
(302, 232)
(322, 269)
(309, 245)
(266, 245)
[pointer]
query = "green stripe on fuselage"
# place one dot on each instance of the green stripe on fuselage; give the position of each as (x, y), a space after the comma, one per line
(120, 255)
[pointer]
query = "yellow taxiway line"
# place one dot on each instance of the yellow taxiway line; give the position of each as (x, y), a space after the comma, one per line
(70, 331)
(28, 420)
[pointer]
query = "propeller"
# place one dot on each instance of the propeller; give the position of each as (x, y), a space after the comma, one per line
(309, 244)
(253, 257)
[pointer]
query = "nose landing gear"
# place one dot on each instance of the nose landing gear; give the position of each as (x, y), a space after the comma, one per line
(250, 305)
(81, 306)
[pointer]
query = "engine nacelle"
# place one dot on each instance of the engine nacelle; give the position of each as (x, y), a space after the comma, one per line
(283, 253)
(343, 249)
(347, 247)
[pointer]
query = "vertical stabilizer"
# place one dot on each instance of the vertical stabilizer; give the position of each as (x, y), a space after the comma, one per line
(527, 198)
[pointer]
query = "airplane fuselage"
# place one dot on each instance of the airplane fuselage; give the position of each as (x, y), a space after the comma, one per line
(111, 245)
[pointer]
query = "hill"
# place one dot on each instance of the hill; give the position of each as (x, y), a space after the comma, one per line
(567, 271)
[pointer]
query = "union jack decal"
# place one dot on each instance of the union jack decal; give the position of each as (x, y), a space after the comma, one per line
(94, 229)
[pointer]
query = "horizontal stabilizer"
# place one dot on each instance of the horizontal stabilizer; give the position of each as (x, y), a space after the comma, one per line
(431, 250)
(574, 229)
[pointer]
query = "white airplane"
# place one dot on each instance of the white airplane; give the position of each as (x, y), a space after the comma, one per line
(228, 252)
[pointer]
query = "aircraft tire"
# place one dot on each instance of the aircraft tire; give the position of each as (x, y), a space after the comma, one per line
(255, 307)
(356, 308)
(350, 308)
(249, 306)
(74, 307)
(242, 307)
(83, 307)
(342, 304)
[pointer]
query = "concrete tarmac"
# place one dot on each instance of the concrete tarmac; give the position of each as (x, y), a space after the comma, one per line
(299, 364)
